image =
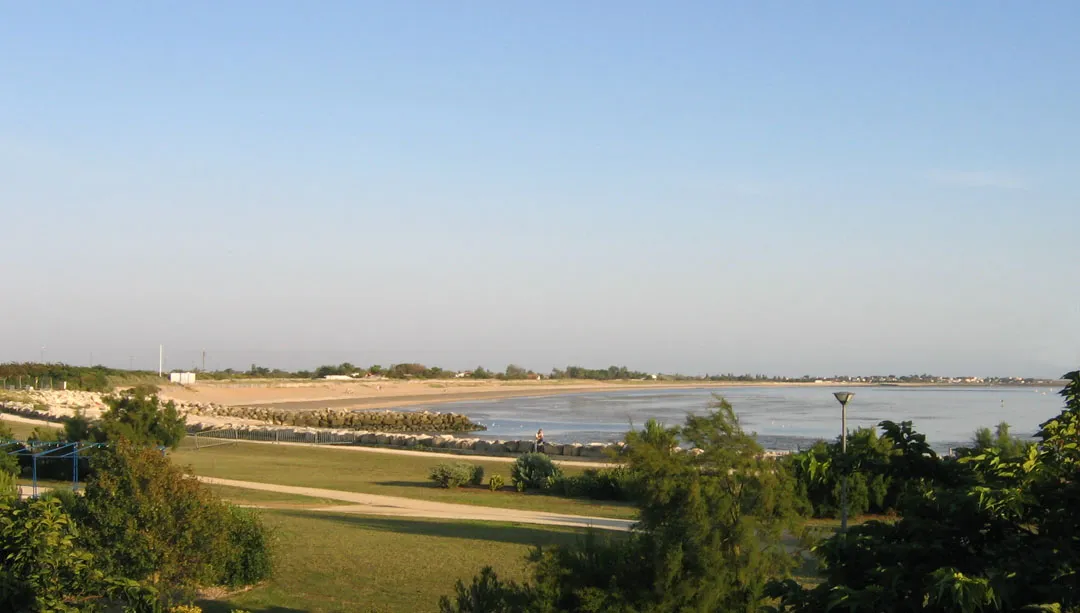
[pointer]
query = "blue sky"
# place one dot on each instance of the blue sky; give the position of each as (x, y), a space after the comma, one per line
(698, 187)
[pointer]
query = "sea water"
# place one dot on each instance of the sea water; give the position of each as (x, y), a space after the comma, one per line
(781, 417)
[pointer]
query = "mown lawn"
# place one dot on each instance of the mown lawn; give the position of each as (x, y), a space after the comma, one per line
(243, 496)
(376, 473)
(22, 430)
(329, 562)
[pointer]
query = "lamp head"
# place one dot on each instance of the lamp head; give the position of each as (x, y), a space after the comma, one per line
(843, 397)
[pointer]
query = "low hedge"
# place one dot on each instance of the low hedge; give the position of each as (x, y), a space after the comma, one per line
(456, 474)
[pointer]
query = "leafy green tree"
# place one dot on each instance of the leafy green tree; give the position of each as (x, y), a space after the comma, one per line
(709, 536)
(9, 487)
(139, 417)
(513, 371)
(78, 427)
(880, 469)
(46, 569)
(1000, 439)
(9, 464)
(1000, 534)
(482, 373)
(486, 594)
(148, 520)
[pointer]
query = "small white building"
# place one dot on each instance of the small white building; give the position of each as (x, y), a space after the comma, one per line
(183, 378)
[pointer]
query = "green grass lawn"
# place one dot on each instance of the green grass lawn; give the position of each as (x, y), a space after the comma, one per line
(242, 496)
(22, 430)
(376, 473)
(330, 562)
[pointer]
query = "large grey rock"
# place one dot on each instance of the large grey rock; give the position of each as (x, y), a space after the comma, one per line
(482, 446)
(369, 438)
(382, 438)
(572, 450)
(593, 450)
(552, 449)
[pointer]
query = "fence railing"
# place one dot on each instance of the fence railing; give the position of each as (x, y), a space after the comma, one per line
(228, 436)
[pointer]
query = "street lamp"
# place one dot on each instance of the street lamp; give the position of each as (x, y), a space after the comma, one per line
(843, 398)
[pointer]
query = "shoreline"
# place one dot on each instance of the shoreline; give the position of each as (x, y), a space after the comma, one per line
(397, 394)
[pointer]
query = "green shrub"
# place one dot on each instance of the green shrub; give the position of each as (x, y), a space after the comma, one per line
(250, 559)
(69, 500)
(532, 470)
(148, 520)
(9, 488)
(46, 567)
(455, 474)
(477, 475)
(141, 417)
(496, 482)
(486, 594)
(618, 483)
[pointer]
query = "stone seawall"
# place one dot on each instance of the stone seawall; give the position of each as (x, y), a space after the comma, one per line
(381, 420)
(406, 441)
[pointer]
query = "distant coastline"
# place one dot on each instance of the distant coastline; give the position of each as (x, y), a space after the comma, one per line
(304, 395)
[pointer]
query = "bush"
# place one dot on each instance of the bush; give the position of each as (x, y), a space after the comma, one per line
(69, 500)
(496, 482)
(9, 488)
(486, 594)
(477, 475)
(456, 474)
(249, 541)
(533, 471)
(608, 484)
(46, 567)
(140, 417)
(148, 520)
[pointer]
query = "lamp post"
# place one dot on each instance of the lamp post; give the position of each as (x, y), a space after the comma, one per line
(843, 398)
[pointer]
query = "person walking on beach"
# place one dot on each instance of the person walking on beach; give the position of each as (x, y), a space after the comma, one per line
(539, 446)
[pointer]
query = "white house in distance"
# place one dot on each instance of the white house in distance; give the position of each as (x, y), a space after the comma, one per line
(183, 378)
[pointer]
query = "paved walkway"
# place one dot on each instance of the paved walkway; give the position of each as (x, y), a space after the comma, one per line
(393, 506)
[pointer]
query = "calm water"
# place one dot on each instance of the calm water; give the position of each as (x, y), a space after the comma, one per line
(782, 417)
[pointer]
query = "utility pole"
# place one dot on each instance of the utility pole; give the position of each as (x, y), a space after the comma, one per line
(204, 360)
(160, 359)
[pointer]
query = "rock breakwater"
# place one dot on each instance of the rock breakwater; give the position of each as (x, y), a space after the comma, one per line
(383, 421)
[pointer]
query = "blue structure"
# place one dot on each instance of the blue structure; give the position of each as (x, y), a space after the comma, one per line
(53, 450)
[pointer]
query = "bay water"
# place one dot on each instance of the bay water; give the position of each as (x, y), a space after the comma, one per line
(782, 417)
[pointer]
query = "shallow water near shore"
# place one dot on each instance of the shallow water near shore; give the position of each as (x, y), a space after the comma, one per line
(782, 417)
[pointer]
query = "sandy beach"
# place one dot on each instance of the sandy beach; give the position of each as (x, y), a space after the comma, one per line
(383, 394)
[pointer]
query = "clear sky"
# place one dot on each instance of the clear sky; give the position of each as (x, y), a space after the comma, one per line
(777, 187)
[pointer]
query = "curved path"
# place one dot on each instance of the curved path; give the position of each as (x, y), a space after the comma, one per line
(393, 506)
